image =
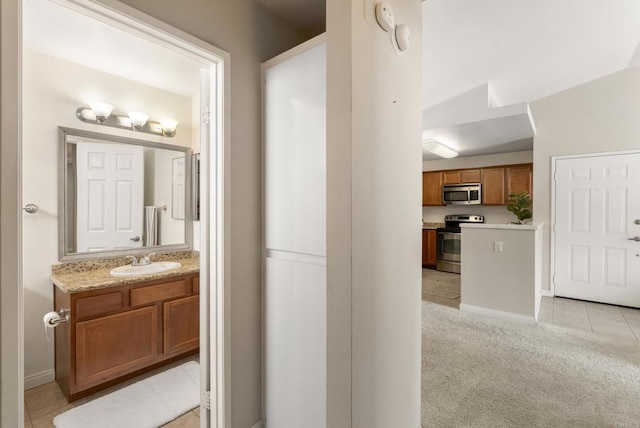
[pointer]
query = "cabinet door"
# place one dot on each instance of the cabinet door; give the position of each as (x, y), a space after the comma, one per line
(432, 188)
(295, 153)
(431, 248)
(425, 247)
(493, 186)
(181, 330)
(451, 177)
(470, 176)
(518, 179)
(428, 248)
(114, 345)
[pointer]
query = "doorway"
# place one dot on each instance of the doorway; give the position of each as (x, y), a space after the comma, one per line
(596, 228)
(213, 83)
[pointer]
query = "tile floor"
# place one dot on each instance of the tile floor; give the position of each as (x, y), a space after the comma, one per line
(43, 403)
(614, 321)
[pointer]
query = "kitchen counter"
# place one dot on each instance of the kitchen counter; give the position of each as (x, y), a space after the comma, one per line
(501, 270)
(74, 277)
(431, 225)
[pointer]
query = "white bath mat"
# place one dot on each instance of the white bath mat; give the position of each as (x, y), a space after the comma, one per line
(151, 403)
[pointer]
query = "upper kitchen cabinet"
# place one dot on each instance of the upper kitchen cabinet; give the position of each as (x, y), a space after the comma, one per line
(518, 179)
(493, 187)
(461, 176)
(432, 188)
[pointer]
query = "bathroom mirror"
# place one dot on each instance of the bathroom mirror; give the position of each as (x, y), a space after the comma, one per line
(119, 195)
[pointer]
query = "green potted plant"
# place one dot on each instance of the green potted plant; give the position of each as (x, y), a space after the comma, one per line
(520, 204)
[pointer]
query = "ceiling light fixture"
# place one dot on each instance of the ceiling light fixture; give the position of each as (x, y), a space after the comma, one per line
(102, 114)
(439, 149)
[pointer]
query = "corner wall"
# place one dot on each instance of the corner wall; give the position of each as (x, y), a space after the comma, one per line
(598, 116)
(373, 250)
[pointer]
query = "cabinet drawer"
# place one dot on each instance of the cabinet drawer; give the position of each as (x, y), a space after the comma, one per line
(157, 293)
(97, 305)
(196, 285)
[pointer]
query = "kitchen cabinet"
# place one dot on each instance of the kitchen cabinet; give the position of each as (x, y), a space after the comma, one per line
(518, 179)
(461, 176)
(470, 176)
(497, 182)
(429, 248)
(119, 332)
(432, 188)
(493, 191)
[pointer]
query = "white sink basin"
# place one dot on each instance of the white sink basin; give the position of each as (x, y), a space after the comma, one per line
(155, 267)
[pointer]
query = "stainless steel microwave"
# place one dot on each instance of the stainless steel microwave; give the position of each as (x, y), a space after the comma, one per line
(462, 194)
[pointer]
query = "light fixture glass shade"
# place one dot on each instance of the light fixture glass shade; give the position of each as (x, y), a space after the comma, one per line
(169, 127)
(101, 110)
(138, 119)
(439, 149)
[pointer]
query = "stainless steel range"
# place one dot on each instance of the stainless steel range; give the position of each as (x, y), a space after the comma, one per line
(448, 241)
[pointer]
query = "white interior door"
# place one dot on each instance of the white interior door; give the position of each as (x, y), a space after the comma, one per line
(110, 196)
(597, 217)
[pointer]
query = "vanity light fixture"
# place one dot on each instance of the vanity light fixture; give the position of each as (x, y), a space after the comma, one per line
(439, 149)
(103, 114)
(138, 119)
(100, 110)
(168, 127)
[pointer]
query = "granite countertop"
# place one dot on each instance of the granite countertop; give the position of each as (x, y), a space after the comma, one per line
(74, 277)
(431, 225)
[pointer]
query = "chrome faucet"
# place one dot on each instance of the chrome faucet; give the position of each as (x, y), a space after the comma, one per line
(146, 259)
(134, 261)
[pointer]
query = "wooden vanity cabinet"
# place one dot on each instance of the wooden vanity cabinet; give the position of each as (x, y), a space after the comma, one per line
(120, 332)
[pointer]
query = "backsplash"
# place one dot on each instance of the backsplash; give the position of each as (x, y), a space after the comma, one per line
(492, 214)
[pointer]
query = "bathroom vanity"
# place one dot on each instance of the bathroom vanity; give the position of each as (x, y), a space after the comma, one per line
(122, 327)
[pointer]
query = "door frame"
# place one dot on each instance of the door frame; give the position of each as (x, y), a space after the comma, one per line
(215, 202)
(552, 240)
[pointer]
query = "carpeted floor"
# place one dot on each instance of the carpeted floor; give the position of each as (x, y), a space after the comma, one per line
(481, 372)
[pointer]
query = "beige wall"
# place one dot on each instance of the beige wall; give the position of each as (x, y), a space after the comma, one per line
(11, 353)
(496, 215)
(374, 194)
(50, 99)
(598, 116)
(251, 36)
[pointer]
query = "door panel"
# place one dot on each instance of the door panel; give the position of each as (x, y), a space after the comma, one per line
(110, 197)
(597, 201)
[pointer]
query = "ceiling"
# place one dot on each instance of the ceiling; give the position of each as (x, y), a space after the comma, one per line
(57, 31)
(522, 50)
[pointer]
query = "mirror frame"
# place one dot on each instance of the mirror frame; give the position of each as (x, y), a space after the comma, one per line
(63, 256)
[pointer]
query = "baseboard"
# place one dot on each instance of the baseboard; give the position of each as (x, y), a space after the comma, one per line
(497, 314)
(38, 379)
(547, 293)
(258, 424)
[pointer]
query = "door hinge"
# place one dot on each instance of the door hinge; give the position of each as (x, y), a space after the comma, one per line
(205, 114)
(205, 400)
